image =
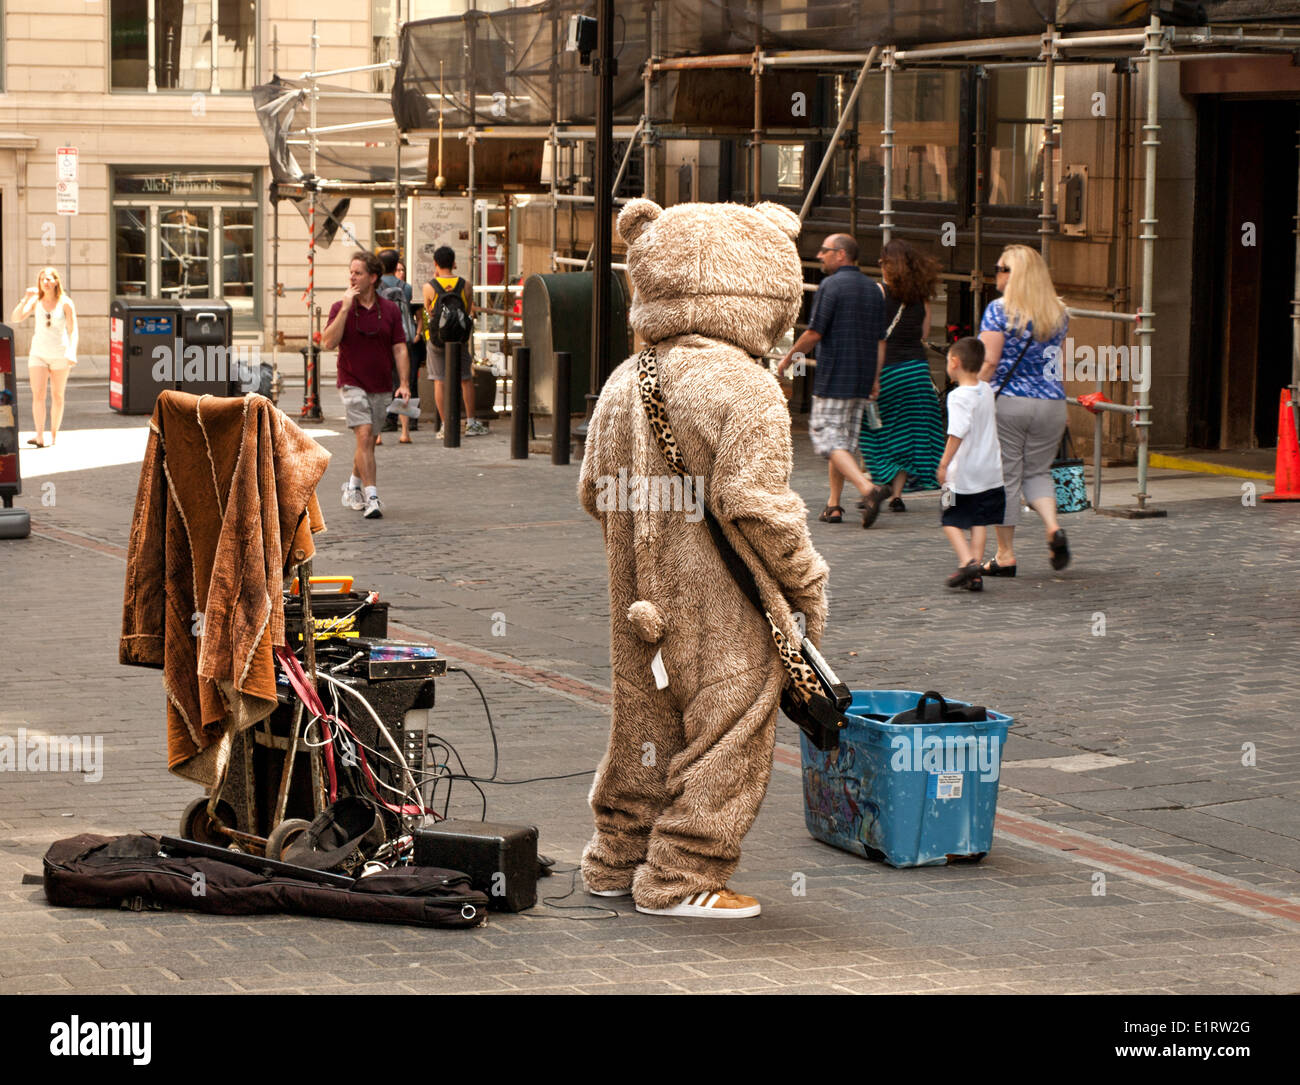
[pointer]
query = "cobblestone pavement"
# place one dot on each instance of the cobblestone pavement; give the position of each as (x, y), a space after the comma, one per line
(1154, 756)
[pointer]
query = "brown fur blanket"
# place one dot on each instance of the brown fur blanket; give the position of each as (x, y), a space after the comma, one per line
(227, 500)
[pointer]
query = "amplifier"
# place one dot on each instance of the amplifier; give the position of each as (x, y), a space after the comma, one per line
(336, 614)
(501, 860)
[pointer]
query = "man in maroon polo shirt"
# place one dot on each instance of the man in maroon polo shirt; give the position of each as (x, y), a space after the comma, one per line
(367, 330)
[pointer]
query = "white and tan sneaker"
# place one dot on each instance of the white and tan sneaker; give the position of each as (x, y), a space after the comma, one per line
(722, 904)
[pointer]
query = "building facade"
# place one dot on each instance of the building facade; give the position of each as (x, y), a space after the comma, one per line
(173, 181)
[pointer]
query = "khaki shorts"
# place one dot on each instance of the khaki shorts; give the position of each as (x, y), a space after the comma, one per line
(364, 408)
(54, 365)
(436, 363)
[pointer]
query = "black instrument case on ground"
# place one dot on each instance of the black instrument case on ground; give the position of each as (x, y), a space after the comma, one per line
(134, 872)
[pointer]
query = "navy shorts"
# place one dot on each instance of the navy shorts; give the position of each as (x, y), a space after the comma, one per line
(976, 510)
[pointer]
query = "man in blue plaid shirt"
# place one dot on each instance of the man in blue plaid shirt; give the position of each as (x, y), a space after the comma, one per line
(847, 326)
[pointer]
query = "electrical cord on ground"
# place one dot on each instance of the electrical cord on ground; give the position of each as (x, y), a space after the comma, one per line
(549, 902)
(495, 749)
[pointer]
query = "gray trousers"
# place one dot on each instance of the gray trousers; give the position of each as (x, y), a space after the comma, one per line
(1029, 432)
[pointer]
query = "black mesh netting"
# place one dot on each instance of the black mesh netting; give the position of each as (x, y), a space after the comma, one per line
(507, 67)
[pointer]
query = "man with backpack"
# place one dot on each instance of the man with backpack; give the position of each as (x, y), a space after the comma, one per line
(450, 316)
(399, 293)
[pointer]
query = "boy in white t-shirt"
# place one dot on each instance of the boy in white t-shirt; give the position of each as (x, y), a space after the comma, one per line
(971, 469)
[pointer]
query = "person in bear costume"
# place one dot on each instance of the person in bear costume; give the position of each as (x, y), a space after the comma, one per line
(696, 677)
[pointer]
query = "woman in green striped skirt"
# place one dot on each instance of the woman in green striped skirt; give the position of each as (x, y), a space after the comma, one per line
(905, 452)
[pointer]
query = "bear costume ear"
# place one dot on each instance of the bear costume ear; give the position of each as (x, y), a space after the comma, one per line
(636, 216)
(785, 219)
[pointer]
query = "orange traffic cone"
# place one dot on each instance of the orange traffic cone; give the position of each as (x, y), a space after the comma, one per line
(1287, 477)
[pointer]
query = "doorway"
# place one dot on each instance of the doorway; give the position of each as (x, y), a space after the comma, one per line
(1244, 259)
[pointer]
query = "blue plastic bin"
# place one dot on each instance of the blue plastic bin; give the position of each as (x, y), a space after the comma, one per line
(910, 794)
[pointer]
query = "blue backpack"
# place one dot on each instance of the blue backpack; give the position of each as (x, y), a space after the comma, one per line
(394, 293)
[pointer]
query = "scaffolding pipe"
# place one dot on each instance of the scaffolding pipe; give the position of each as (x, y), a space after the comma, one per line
(1124, 294)
(314, 75)
(851, 147)
(310, 403)
(350, 127)
(835, 138)
(977, 270)
(552, 137)
(1206, 36)
(1146, 326)
(756, 136)
(887, 62)
(719, 60)
(618, 180)
(1102, 314)
(1027, 43)
(792, 60)
(275, 300)
(573, 261)
(647, 103)
(1047, 218)
(1295, 320)
(528, 131)
(568, 197)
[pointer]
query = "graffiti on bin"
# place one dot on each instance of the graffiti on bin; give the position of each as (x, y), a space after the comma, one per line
(839, 799)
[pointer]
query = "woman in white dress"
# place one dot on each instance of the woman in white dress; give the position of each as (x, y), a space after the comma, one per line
(53, 351)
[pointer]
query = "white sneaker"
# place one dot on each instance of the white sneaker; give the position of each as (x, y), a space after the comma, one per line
(353, 498)
(724, 904)
(609, 892)
(475, 428)
(374, 508)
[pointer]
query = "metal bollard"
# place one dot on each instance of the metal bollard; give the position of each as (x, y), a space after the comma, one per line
(451, 396)
(560, 409)
(520, 402)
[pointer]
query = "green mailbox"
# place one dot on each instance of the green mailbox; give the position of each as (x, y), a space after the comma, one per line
(557, 317)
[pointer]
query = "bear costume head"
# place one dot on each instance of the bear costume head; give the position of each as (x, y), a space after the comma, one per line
(719, 270)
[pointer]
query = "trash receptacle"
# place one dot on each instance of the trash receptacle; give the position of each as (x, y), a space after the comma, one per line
(148, 340)
(912, 794)
(205, 324)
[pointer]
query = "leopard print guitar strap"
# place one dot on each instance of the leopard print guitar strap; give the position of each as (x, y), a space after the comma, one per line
(803, 679)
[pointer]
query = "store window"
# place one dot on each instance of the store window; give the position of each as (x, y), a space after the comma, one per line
(187, 234)
(183, 45)
(927, 117)
(383, 225)
(1017, 106)
(927, 139)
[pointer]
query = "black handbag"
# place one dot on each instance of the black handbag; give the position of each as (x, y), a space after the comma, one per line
(813, 698)
(932, 708)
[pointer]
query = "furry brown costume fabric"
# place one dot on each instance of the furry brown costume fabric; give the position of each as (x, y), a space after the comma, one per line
(687, 766)
(227, 498)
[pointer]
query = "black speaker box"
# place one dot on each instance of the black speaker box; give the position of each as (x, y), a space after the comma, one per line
(501, 860)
